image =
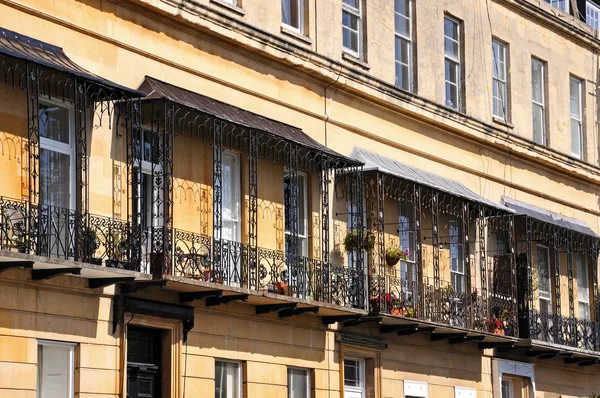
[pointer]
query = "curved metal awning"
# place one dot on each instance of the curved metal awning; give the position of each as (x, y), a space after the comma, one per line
(25, 48)
(159, 90)
(397, 169)
(546, 216)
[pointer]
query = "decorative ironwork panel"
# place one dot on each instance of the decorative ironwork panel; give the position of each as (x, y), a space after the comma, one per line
(217, 194)
(253, 280)
(33, 146)
(435, 241)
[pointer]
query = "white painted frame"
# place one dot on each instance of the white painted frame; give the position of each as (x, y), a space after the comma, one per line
(362, 378)
(301, 12)
(416, 389)
(496, 77)
(576, 147)
(71, 364)
(59, 147)
(542, 104)
(304, 221)
(356, 12)
(308, 384)
(239, 380)
(547, 295)
(501, 367)
(455, 61)
(589, 9)
(464, 392)
(409, 39)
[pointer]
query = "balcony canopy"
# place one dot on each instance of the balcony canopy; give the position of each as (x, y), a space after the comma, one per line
(403, 171)
(545, 216)
(159, 90)
(24, 48)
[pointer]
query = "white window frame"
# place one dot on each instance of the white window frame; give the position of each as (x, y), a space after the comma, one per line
(60, 147)
(543, 139)
(455, 222)
(500, 367)
(410, 231)
(300, 28)
(232, 2)
(236, 183)
(415, 389)
(464, 392)
(584, 299)
(239, 380)
(547, 296)
(303, 239)
(556, 4)
(71, 365)
(290, 384)
(148, 168)
(455, 62)
(409, 39)
(362, 378)
(356, 12)
(502, 83)
(576, 118)
(510, 388)
(592, 9)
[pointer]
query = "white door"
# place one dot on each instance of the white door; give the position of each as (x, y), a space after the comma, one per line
(231, 231)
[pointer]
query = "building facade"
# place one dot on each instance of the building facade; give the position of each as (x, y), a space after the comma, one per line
(344, 198)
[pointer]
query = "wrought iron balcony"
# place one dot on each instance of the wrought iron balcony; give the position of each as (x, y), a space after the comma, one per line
(67, 234)
(566, 331)
(441, 304)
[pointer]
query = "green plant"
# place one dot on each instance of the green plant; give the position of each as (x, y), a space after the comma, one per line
(91, 242)
(359, 240)
(395, 254)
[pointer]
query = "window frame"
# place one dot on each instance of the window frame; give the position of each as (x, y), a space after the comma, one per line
(505, 102)
(239, 381)
(362, 377)
(459, 247)
(308, 381)
(510, 387)
(301, 17)
(358, 13)
(415, 389)
(595, 8)
(542, 105)
(585, 299)
(456, 61)
(237, 193)
(301, 238)
(60, 147)
(564, 9)
(411, 233)
(577, 118)
(547, 294)
(71, 364)
(410, 40)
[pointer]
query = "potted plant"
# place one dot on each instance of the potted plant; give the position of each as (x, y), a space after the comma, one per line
(91, 243)
(355, 240)
(394, 254)
(21, 242)
(496, 325)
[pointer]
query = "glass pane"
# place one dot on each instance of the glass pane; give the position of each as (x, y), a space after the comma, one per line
(351, 373)
(539, 125)
(451, 72)
(402, 25)
(298, 383)
(537, 81)
(451, 96)
(584, 310)
(301, 205)
(350, 40)
(543, 270)
(575, 137)
(55, 177)
(352, 3)
(227, 380)
(451, 48)
(575, 97)
(402, 7)
(499, 60)
(290, 12)
(450, 29)
(54, 123)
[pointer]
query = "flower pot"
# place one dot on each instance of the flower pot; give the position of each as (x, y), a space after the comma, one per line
(396, 312)
(95, 261)
(23, 249)
(391, 260)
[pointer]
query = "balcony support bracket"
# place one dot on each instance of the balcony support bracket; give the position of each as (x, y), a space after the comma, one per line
(6, 265)
(96, 283)
(265, 309)
(464, 339)
(362, 320)
(40, 274)
(298, 311)
(141, 285)
(444, 336)
(212, 301)
(186, 297)
(506, 345)
(397, 328)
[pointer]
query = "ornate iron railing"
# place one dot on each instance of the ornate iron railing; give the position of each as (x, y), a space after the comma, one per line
(558, 329)
(441, 303)
(67, 234)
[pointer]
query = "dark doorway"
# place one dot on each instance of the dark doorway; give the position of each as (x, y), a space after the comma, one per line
(143, 362)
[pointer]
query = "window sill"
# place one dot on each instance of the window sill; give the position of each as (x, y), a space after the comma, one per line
(228, 6)
(503, 123)
(353, 59)
(292, 33)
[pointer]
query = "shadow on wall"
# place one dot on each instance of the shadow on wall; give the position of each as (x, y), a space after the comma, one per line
(51, 313)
